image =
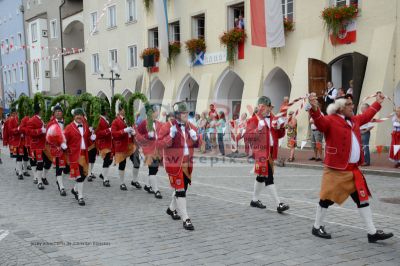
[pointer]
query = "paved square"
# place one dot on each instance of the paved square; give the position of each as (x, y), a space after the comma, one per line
(131, 227)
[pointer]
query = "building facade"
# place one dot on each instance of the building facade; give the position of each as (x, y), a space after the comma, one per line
(13, 55)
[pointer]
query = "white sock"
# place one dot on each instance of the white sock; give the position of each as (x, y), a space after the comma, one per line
(122, 176)
(258, 186)
(39, 176)
(366, 215)
(25, 164)
(45, 173)
(19, 168)
(274, 193)
(154, 182)
(181, 203)
(147, 180)
(76, 187)
(91, 165)
(105, 173)
(172, 206)
(80, 189)
(320, 216)
(60, 181)
(135, 174)
(35, 175)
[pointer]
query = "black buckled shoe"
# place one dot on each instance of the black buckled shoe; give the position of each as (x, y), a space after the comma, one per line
(35, 181)
(90, 178)
(29, 168)
(321, 232)
(63, 192)
(136, 185)
(44, 180)
(174, 214)
(158, 195)
(20, 177)
(81, 202)
(106, 183)
(282, 207)
(379, 235)
(188, 225)
(101, 176)
(123, 187)
(257, 204)
(74, 193)
(149, 189)
(40, 186)
(26, 174)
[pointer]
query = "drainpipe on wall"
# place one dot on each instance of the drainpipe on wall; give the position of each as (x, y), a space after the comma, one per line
(62, 46)
(21, 8)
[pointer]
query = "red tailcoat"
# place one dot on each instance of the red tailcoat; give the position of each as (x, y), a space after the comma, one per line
(103, 135)
(55, 150)
(148, 145)
(337, 134)
(259, 140)
(38, 139)
(5, 132)
(174, 148)
(23, 128)
(121, 140)
(74, 138)
(14, 136)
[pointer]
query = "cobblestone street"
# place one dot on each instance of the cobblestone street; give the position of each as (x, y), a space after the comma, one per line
(131, 227)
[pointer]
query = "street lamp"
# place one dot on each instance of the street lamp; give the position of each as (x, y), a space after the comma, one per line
(114, 70)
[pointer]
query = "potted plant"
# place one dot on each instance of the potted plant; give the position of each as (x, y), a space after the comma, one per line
(231, 40)
(288, 25)
(195, 46)
(147, 5)
(336, 18)
(151, 51)
(174, 50)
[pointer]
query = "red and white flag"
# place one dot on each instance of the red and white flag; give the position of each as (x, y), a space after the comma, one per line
(346, 35)
(267, 23)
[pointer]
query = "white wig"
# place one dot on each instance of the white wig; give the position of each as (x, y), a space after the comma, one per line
(335, 107)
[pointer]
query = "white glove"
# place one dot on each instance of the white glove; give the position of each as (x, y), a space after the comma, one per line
(172, 131)
(128, 130)
(193, 134)
(91, 129)
(43, 130)
(93, 137)
(109, 129)
(63, 146)
(151, 134)
(243, 132)
(307, 107)
(133, 132)
(261, 124)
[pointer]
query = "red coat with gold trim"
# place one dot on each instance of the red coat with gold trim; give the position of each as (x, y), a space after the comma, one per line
(38, 138)
(121, 140)
(23, 128)
(337, 134)
(142, 137)
(103, 135)
(74, 138)
(14, 135)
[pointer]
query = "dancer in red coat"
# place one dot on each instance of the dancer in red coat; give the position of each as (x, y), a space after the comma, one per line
(342, 177)
(56, 140)
(14, 141)
(26, 143)
(395, 157)
(147, 140)
(104, 145)
(178, 143)
(78, 137)
(125, 147)
(37, 132)
(264, 132)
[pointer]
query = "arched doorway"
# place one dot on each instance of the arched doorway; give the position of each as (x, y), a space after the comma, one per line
(75, 78)
(127, 94)
(276, 86)
(73, 35)
(103, 96)
(156, 92)
(188, 91)
(228, 93)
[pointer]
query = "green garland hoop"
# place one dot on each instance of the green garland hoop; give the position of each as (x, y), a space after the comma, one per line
(117, 97)
(130, 112)
(41, 99)
(68, 99)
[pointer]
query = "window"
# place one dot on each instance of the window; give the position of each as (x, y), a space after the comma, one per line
(132, 56)
(287, 9)
(112, 16)
(174, 32)
(153, 38)
(199, 26)
(14, 75)
(36, 70)
(236, 16)
(113, 57)
(7, 46)
(53, 29)
(5, 78)
(33, 32)
(56, 67)
(130, 10)
(93, 22)
(343, 2)
(9, 77)
(20, 41)
(21, 74)
(95, 64)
